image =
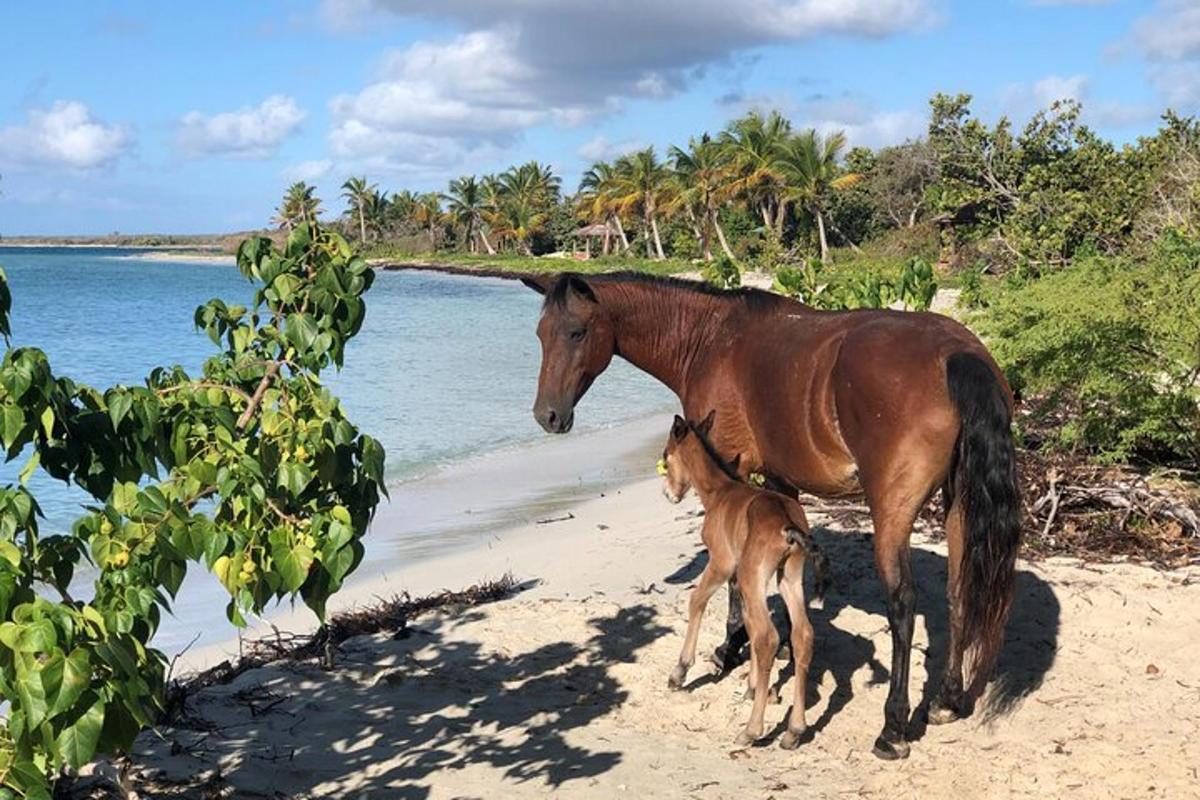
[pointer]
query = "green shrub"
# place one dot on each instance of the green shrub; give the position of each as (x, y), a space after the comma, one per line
(1108, 352)
(914, 286)
(722, 272)
(250, 469)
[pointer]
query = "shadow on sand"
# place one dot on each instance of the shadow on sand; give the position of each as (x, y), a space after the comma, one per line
(400, 712)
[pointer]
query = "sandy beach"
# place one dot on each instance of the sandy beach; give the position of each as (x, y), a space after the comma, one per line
(561, 690)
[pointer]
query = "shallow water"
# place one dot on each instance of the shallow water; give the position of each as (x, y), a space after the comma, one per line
(443, 374)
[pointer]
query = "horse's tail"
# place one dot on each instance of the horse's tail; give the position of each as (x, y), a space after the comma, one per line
(816, 555)
(983, 477)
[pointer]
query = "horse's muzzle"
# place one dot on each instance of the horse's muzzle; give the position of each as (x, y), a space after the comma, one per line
(552, 421)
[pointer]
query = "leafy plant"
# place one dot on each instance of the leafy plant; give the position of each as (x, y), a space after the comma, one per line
(1108, 352)
(251, 469)
(915, 287)
(723, 272)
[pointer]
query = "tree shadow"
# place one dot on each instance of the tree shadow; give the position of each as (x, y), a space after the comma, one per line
(399, 712)
(1028, 654)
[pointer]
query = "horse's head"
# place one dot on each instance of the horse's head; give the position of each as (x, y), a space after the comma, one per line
(684, 455)
(577, 344)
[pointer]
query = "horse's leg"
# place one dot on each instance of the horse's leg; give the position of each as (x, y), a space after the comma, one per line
(764, 641)
(893, 526)
(725, 657)
(792, 589)
(712, 577)
(950, 703)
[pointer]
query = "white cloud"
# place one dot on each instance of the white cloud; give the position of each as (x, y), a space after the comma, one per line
(250, 132)
(63, 135)
(858, 118)
(518, 64)
(308, 171)
(599, 148)
(1171, 31)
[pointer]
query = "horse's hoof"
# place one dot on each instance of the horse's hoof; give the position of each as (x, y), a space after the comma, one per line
(745, 739)
(675, 681)
(790, 739)
(890, 750)
(941, 715)
(817, 603)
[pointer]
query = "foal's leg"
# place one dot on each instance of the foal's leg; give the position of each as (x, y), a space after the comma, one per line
(792, 589)
(763, 643)
(951, 703)
(710, 580)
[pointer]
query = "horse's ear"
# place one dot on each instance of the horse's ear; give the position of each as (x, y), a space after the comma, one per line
(581, 288)
(538, 283)
(679, 428)
(706, 425)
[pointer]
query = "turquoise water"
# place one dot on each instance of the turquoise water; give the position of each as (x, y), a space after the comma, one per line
(444, 369)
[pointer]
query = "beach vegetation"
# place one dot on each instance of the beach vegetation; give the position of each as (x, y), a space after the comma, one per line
(249, 469)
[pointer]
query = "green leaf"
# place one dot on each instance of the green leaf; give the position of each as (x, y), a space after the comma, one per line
(294, 477)
(301, 330)
(119, 404)
(76, 676)
(77, 742)
(35, 460)
(293, 564)
(124, 497)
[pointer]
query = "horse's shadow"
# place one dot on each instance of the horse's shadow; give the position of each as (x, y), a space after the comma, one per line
(1028, 654)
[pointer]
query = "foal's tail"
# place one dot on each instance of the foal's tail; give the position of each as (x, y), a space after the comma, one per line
(983, 477)
(816, 555)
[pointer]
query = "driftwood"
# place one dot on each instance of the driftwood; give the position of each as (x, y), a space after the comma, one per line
(387, 615)
(1075, 508)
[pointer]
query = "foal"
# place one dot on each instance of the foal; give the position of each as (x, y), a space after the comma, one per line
(751, 533)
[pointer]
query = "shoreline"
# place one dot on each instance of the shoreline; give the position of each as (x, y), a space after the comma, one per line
(430, 521)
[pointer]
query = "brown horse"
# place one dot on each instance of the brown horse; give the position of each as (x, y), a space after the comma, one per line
(893, 405)
(752, 533)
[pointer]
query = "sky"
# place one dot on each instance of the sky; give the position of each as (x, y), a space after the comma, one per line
(139, 117)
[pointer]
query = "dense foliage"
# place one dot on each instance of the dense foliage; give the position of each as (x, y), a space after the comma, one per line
(250, 469)
(1108, 352)
(762, 193)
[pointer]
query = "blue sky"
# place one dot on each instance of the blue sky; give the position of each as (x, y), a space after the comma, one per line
(148, 116)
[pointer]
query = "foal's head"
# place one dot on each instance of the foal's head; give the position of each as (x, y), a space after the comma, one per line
(684, 456)
(577, 344)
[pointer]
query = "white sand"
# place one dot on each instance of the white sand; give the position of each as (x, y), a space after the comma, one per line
(561, 690)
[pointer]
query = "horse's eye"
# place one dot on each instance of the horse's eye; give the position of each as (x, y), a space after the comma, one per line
(578, 334)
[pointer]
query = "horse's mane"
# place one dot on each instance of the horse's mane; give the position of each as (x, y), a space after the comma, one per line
(728, 467)
(754, 298)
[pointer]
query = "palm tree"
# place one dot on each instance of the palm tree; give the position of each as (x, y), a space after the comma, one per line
(357, 193)
(375, 212)
(520, 222)
(597, 200)
(300, 205)
(532, 183)
(754, 143)
(642, 182)
(808, 163)
(705, 182)
(467, 202)
(427, 213)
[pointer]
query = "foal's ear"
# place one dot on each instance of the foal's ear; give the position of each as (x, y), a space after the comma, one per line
(706, 425)
(581, 288)
(679, 428)
(538, 283)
